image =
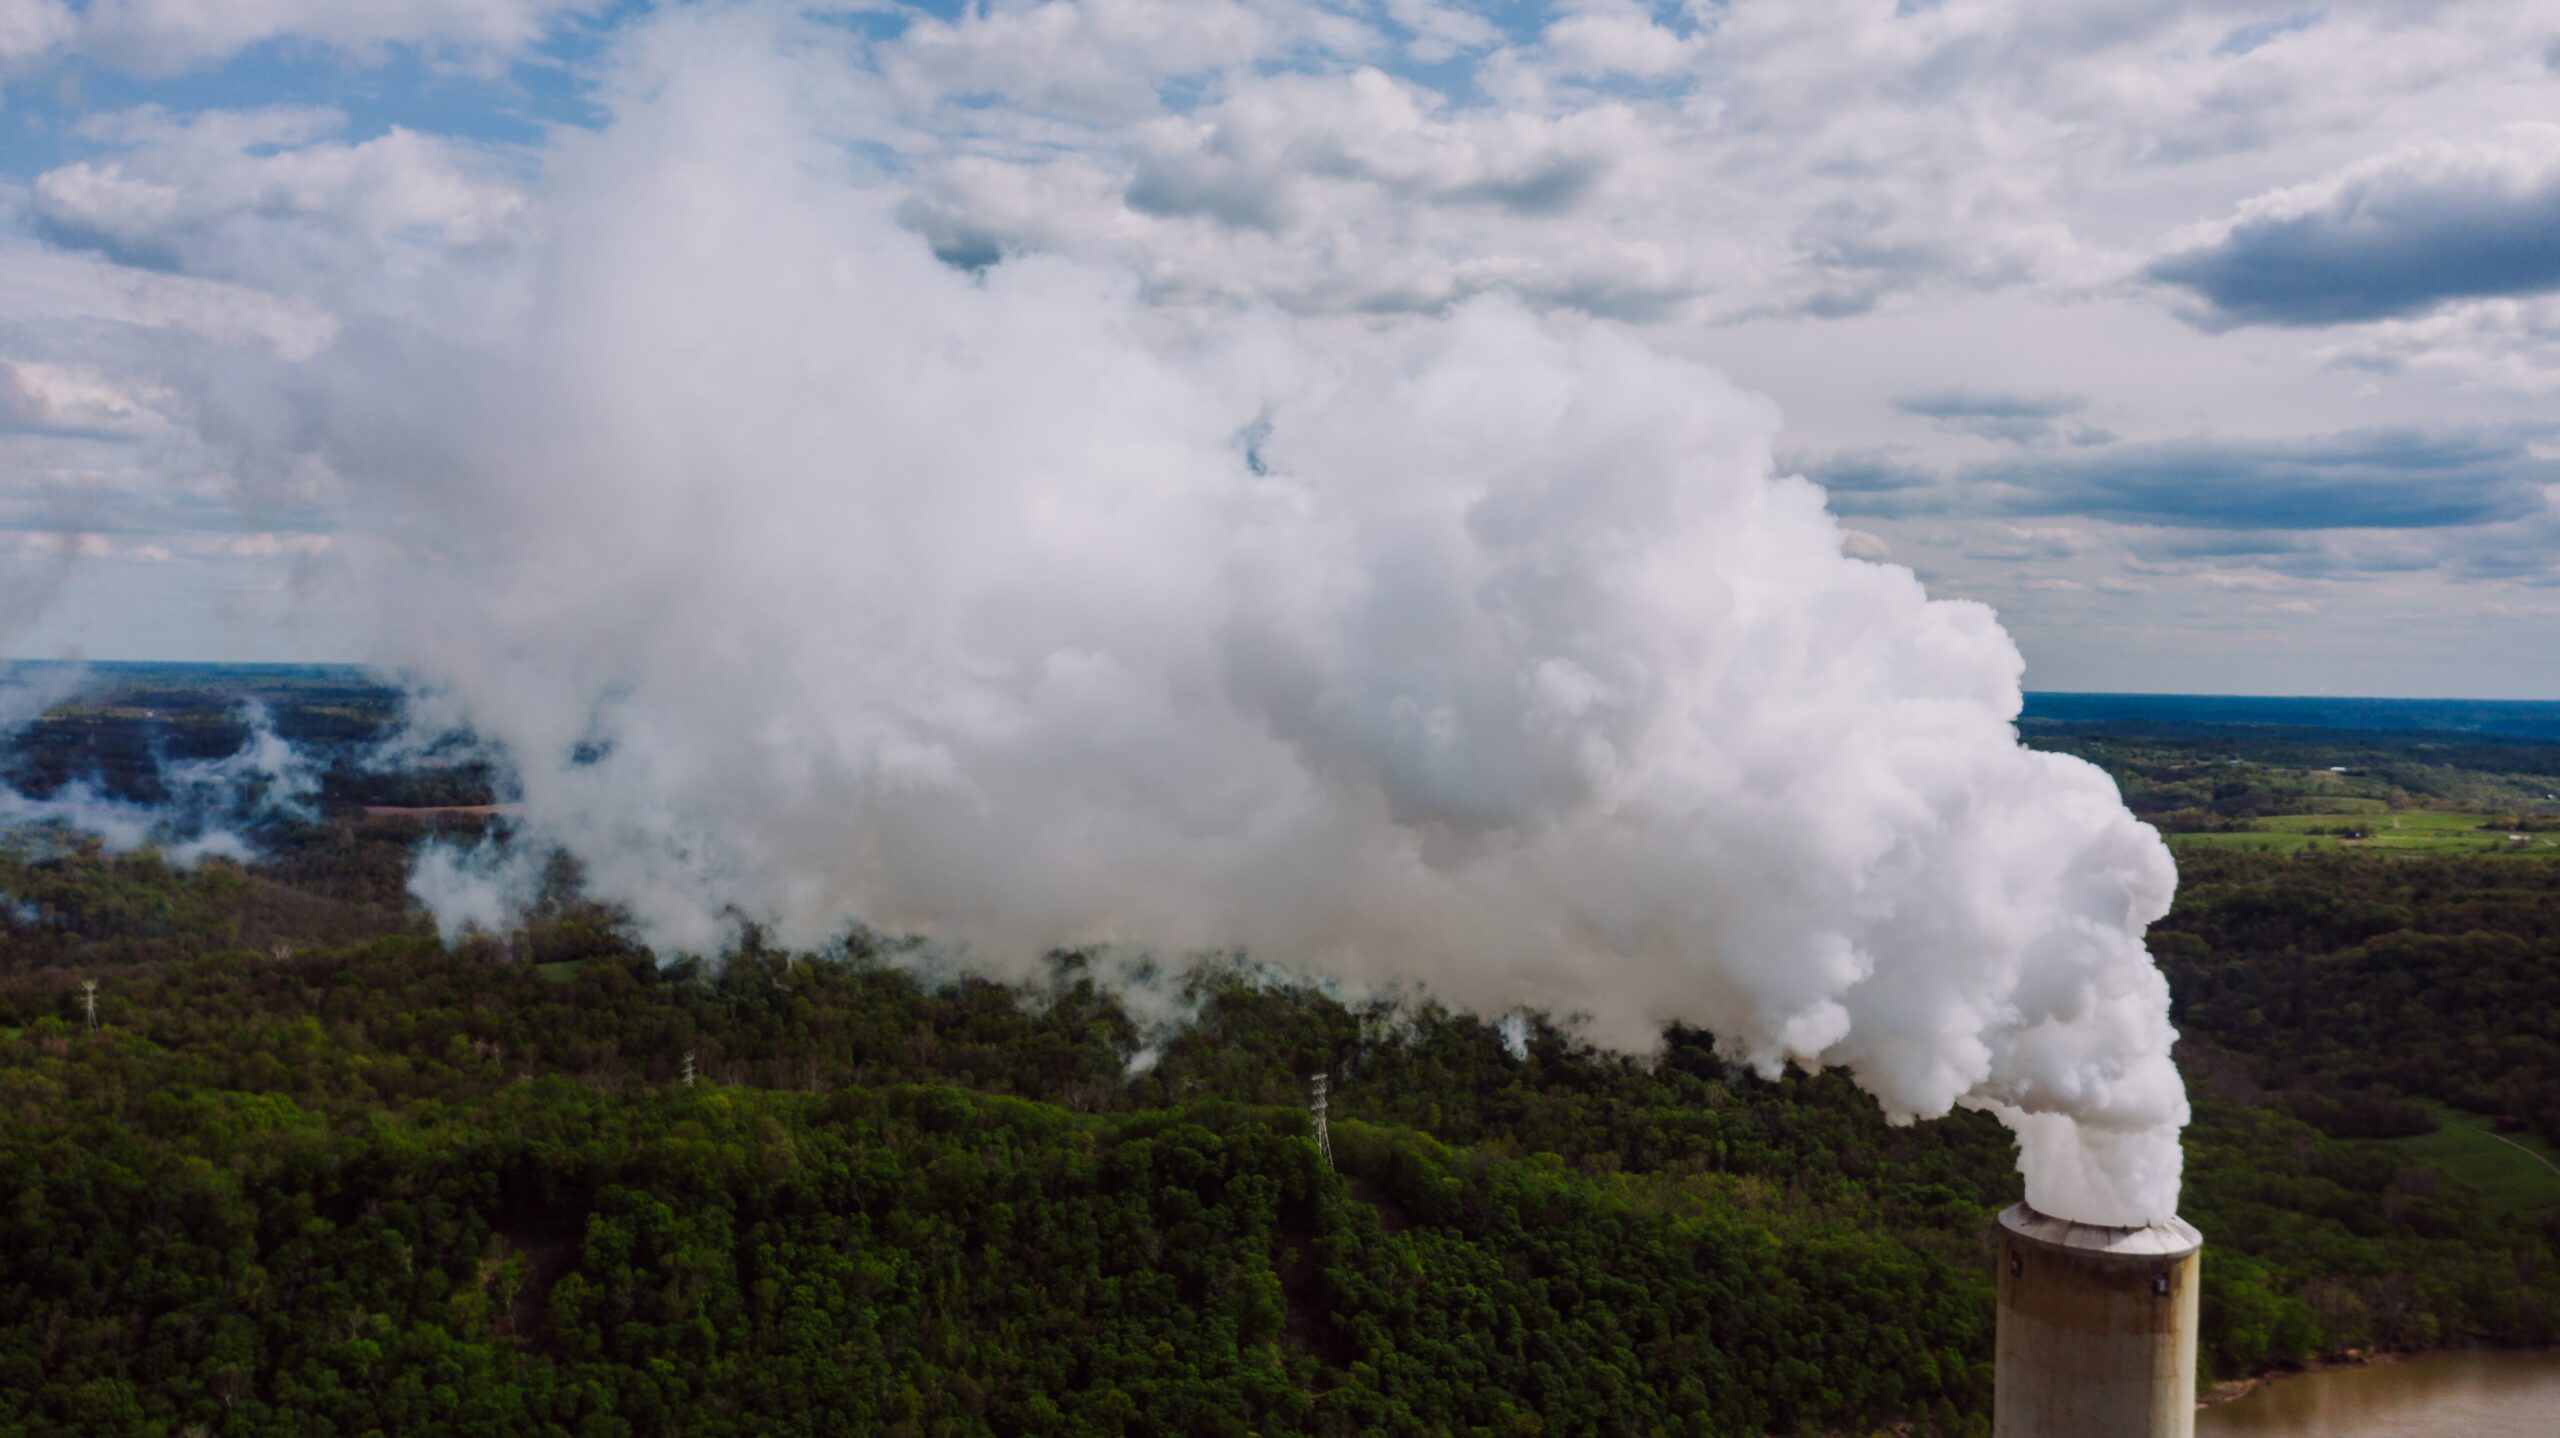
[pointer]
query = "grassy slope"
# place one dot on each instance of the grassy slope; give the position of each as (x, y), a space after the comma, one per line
(2513, 1171)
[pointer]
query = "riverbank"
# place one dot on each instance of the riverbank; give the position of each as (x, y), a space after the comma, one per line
(2476, 1392)
(2229, 1389)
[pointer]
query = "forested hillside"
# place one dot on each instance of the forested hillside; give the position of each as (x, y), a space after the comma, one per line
(398, 1188)
(2347, 985)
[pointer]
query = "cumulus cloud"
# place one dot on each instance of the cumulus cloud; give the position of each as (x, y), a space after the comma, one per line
(1615, 37)
(2393, 236)
(1097, 60)
(159, 37)
(1242, 160)
(1861, 544)
(30, 28)
(266, 196)
(84, 294)
(104, 454)
(2391, 478)
(1440, 30)
(2508, 345)
(1779, 161)
(1351, 192)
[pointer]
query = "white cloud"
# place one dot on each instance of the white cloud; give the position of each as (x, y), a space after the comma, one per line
(1824, 158)
(260, 196)
(71, 290)
(1614, 37)
(30, 28)
(1440, 29)
(1367, 128)
(1861, 544)
(1089, 59)
(2499, 345)
(38, 396)
(1879, 217)
(166, 36)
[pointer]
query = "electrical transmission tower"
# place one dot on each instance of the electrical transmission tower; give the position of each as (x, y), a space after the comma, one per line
(688, 1068)
(89, 999)
(1324, 1134)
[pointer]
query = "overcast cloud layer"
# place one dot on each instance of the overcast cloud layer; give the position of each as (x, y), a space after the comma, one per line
(2214, 344)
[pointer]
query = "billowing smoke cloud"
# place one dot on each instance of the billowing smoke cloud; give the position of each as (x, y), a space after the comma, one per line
(484, 886)
(810, 581)
(28, 690)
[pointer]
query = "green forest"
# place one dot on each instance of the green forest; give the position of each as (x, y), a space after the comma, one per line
(314, 1172)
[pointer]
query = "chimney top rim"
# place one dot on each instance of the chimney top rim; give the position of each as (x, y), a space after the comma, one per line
(2169, 1238)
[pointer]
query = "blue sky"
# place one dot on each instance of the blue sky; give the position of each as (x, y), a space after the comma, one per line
(2216, 346)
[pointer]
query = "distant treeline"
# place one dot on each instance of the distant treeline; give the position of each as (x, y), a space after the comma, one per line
(2221, 779)
(2294, 718)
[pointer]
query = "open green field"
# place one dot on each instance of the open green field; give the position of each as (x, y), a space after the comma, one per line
(2246, 839)
(2430, 831)
(2514, 1170)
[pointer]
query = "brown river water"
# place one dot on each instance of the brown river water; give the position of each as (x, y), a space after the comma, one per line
(2462, 1394)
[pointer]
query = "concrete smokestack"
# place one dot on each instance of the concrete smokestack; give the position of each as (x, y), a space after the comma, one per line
(2097, 1329)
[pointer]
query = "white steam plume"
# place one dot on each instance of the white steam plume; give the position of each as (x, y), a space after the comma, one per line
(810, 581)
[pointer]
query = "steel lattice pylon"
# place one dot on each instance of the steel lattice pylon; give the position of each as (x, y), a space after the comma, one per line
(1324, 1135)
